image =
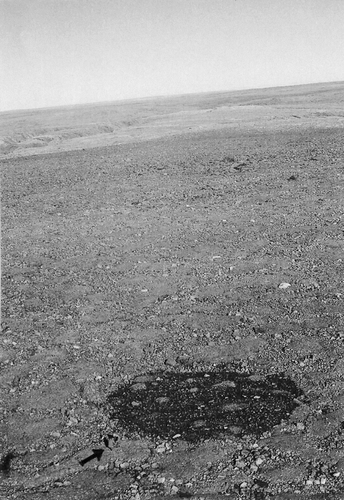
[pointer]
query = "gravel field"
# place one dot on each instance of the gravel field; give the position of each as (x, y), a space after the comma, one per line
(172, 319)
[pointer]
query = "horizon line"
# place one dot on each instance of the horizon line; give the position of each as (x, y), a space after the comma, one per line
(166, 96)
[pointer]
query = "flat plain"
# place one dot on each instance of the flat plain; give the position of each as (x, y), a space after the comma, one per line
(172, 298)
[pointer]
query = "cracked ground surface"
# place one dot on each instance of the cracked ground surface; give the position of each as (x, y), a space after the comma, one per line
(174, 257)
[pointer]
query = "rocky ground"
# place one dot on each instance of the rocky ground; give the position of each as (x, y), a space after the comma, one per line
(172, 319)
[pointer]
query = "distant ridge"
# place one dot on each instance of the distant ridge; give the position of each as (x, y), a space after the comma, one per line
(171, 96)
(84, 126)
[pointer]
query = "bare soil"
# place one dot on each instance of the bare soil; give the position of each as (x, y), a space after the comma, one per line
(172, 313)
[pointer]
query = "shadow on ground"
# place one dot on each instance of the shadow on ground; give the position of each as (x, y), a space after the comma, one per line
(202, 405)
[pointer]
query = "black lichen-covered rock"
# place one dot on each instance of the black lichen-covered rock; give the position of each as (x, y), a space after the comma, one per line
(201, 405)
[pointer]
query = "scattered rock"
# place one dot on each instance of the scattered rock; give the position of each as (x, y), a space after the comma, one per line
(161, 448)
(139, 387)
(170, 362)
(162, 400)
(199, 423)
(4, 355)
(225, 384)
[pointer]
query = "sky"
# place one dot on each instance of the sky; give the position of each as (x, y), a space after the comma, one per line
(58, 52)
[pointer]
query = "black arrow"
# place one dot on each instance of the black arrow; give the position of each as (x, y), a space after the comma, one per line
(96, 454)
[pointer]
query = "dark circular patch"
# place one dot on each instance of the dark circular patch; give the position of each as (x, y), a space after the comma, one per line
(200, 405)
